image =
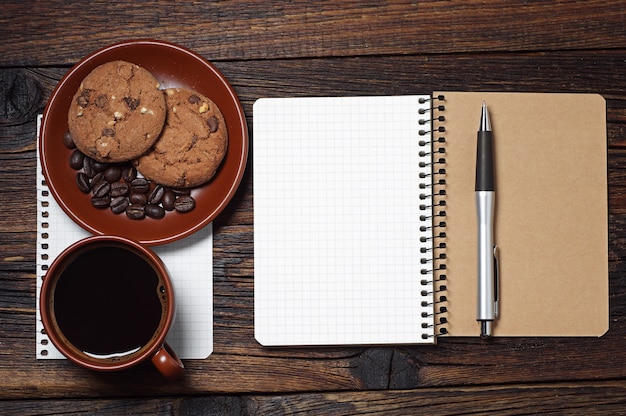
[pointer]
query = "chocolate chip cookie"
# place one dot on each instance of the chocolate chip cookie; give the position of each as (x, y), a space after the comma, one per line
(117, 113)
(192, 144)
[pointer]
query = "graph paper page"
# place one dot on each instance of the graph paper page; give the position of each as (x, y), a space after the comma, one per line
(337, 221)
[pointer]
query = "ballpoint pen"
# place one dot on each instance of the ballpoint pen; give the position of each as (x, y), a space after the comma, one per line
(487, 310)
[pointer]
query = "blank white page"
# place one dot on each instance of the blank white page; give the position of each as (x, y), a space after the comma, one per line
(337, 221)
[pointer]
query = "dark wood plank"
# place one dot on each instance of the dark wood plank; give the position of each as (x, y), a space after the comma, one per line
(580, 399)
(61, 32)
(239, 365)
(585, 398)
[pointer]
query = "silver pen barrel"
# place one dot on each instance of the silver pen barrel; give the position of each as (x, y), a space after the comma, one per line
(485, 205)
(486, 310)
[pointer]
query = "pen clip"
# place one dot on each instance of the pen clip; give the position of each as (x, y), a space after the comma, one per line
(496, 283)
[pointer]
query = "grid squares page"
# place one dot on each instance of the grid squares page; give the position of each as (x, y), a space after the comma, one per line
(338, 234)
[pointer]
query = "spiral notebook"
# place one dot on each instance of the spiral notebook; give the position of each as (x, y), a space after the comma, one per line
(189, 261)
(365, 223)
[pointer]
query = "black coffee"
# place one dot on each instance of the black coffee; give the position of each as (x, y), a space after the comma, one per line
(107, 302)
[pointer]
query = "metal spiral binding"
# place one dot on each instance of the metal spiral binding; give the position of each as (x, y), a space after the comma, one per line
(434, 216)
(43, 258)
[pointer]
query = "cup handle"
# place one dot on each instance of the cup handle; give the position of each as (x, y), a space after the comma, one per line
(168, 364)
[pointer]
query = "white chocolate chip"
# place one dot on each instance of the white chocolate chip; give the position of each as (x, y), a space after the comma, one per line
(111, 123)
(173, 109)
(79, 112)
(118, 115)
(203, 108)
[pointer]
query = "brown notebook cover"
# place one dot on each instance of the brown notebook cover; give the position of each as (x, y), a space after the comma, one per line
(551, 212)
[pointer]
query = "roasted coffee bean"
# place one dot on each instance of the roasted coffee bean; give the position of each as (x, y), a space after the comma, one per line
(119, 204)
(119, 189)
(168, 200)
(181, 191)
(101, 201)
(154, 211)
(82, 180)
(88, 167)
(135, 212)
(138, 199)
(184, 203)
(129, 173)
(76, 160)
(99, 177)
(101, 189)
(156, 195)
(99, 166)
(113, 173)
(140, 186)
(68, 141)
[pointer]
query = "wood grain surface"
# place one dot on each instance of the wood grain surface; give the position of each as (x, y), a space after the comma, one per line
(302, 48)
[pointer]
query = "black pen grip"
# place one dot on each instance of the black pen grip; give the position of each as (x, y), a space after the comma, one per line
(485, 179)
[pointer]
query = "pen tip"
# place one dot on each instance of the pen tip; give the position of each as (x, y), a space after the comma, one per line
(485, 123)
(485, 329)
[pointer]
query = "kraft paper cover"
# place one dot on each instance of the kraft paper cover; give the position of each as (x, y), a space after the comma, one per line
(551, 212)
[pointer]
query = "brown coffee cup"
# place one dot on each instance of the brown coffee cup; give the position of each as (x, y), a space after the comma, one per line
(107, 304)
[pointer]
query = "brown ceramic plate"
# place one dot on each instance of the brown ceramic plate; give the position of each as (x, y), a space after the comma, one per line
(173, 66)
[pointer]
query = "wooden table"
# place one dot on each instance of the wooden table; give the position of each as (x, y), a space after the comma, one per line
(303, 48)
